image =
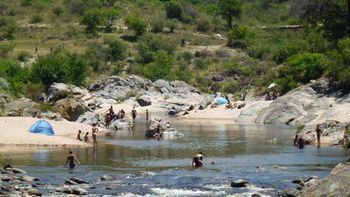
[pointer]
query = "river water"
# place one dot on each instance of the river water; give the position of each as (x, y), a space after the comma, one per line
(260, 154)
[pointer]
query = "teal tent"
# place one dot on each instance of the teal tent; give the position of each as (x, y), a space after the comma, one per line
(42, 127)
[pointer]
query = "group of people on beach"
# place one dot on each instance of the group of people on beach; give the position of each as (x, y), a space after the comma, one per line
(86, 137)
(299, 142)
(111, 115)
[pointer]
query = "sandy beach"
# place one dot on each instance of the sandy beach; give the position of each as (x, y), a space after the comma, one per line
(14, 132)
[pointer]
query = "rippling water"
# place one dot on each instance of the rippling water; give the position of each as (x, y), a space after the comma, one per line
(263, 155)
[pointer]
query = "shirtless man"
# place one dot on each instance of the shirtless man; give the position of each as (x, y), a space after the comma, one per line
(79, 137)
(94, 134)
(72, 160)
(197, 160)
(133, 114)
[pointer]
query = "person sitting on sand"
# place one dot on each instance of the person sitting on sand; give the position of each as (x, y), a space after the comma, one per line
(197, 160)
(72, 160)
(86, 137)
(213, 105)
(229, 106)
(78, 136)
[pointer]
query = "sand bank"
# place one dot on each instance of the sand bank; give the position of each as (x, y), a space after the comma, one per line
(14, 132)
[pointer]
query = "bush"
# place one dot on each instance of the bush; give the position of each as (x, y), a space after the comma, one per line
(59, 67)
(203, 24)
(171, 24)
(229, 86)
(304, 67)
(161, 68)
(173, 9)
(149, 44)
(157, 25)
(137, 25)
(117, 50)
(6, 49)
(57, 10)
(288, 49)
(239, 36)
(34, 91)
(23, 56)
(7, 28)
(286, 83)
(36, 18)
(14, 74)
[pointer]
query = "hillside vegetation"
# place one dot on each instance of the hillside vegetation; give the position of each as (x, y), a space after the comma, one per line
(216, 45)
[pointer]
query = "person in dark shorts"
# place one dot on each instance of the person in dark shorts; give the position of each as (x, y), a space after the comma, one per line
(94, 134)
(300, 143)
(318, 135)
(133, 114)
(197, 160)
(295, 140)
(78, 136)
(86, 137)
(71, 160)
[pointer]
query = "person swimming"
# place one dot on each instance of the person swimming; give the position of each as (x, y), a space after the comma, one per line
(197, 160)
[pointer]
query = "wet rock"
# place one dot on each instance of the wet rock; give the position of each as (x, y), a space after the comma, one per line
(70, 182)
(120, 124)
(70, 109)
(26, 178)
(144, 101)
(106, 178)
(255, 195)
(173, 112)
(217, 78)
(66, 190)
(79, 181)
(165, 127)
(36, 179)
(79, 191)
(240, 106)
(6, 179)
(298, 181)
(291, 193)
(33, 192)
(239, 183)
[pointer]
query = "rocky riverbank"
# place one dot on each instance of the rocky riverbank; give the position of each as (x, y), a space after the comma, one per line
(336, 184)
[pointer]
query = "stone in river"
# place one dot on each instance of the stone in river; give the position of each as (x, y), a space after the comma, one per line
(26, 178)
(79, 191)
(106, 178)
(79, 181)
(17, 170)
(33, 192)
(70, 182)
(66, 190)
(239, 183)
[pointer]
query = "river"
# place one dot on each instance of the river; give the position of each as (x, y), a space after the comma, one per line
(260, 154)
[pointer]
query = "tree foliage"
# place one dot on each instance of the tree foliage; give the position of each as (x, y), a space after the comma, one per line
(230, 9)
(136, 24)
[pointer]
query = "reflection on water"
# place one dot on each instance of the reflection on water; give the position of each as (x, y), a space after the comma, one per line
(263, 155)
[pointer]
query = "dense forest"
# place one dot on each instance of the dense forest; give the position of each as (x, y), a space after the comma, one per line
(216, 45)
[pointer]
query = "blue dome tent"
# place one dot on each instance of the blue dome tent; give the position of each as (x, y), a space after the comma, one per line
(42, 127)
(221, 101)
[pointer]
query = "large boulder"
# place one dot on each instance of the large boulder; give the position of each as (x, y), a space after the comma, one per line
(70, 109)
(59, 91)
(21, 107)
(90, 118)
(144, 100)
(336, 184)
(120, 124)
(165, 127)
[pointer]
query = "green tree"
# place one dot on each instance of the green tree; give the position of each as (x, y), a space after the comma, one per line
(137, 25)
(230, 9)
(59, 67)
(332, 16)
(92, 19)
(173, 9)
(161, 68)
(117, 50)
(108, 17)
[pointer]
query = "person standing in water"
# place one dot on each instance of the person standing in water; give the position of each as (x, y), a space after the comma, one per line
(318, 135)
(71, 160)
(94, 134)
(133, 114)
(197, 160)
(147, 115)
(79, 137)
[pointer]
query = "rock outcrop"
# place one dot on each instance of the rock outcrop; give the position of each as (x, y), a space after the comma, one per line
(336, 184)
(21, 107)
(163, 126)
(70, 109)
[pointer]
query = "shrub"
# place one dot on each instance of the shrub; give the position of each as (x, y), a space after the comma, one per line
(149, 44)
(60, 67)
(239, 36)
(36, 18)
(288, 49)
(173, 9)
(7, 28)
(57, 10)
(6, 49)
(229, 86)
(137, 25)
(157, 25)
(286, 83)
(161, 68)
(304, 67)
(203, 24)
(34, 91)
(117, 50)
(171, 24)
(23, 56)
